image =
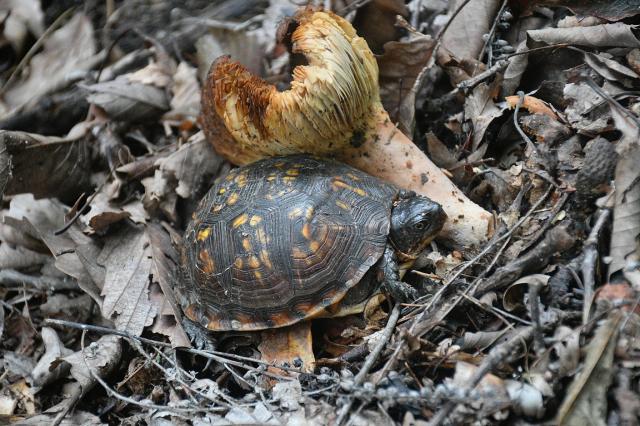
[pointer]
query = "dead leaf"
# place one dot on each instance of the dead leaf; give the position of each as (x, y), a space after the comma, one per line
(611, 70)
(281, 345)
(124, 100)
(103, 214)
(72, 251)
(375, 21)
(69, 49)
(516, 68)
(481, 110)
(566, 348)
(586, 398)
(611, 10)
(533, 105)
(20, 257)
(43, 373)
(607, 35)
(626, 214)
(165, 263)
(192, 165)
(21, 17)
(400, 65)
(514, 295)
(586, 111)
(545, 129)
(464, 36)
(126, 259)
(47, 166)
(185, 103)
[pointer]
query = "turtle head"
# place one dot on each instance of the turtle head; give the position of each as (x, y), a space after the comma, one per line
(415, 221)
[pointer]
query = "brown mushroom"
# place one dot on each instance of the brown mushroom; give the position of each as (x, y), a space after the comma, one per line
(332, 109)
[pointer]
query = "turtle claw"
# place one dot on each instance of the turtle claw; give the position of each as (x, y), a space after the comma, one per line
(201, 337)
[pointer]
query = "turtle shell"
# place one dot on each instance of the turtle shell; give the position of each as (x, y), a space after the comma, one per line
(280, 240)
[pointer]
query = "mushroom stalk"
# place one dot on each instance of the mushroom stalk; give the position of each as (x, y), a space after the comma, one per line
(332, 109)
(390, 155)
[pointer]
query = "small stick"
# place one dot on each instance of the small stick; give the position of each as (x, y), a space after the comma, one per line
(371, 359)
(436, 297)
(216, 355)
(496, 356)
(589, 262)
(54, 26)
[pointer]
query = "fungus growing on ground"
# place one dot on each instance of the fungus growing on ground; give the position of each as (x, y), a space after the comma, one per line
(332, 109)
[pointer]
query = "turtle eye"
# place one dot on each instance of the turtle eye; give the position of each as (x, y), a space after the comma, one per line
(420, 225)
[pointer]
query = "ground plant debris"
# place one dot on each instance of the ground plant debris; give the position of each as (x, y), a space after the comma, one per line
(336, 212)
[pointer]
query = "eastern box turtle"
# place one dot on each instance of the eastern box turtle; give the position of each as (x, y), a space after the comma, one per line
(285, 239)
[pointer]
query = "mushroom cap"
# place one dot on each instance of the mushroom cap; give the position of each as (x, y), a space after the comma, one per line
(331, 103)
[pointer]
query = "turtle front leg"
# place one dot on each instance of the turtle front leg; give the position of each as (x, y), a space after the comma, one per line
(388, 268)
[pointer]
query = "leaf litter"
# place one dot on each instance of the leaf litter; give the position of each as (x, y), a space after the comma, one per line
(531, 107)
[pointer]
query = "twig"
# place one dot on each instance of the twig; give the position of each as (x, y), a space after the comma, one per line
(524, 136)
(590, 261)
(534, 313)
(554, 212)
(36, 46)
(423, 73)
(485, 75)
(215, 355)
(80, 211)
(487, 42)
(371, 359)
(435, 318)
(495, 357)
(11, 277)
(110, 391)
(556, 240)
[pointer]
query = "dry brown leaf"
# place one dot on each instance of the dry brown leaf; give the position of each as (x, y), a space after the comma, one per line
(20, 257)
(124, 100)
(160, 197)
(47, 166)
(464, 36)
(607, 35)
(165, 263)
(185, 103)
(126, 259)
(103, 214)
(74, 253)
(611, 70)
(281, 345)
(69, 49)
(248, 47)
(626, 214)
(586, 112)
(586, 399)
(611, 10)
(533, 105)
(192, 165)
(400, 65)
(481, 110)
(516, 68)
(375, 21)
(545, 129)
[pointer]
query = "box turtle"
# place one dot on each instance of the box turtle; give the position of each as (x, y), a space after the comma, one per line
(285, 239)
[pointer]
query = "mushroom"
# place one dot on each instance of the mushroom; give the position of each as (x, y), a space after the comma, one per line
(332, 109)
